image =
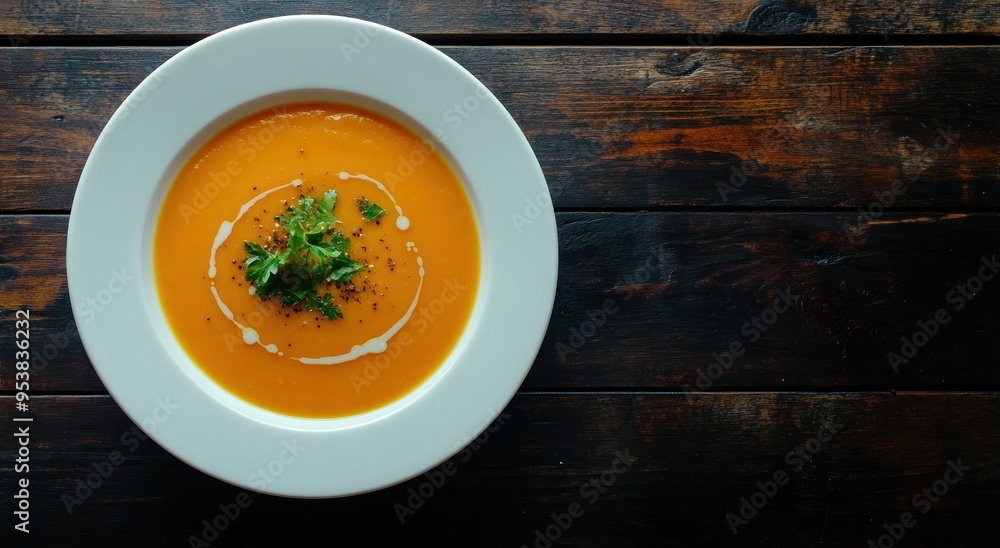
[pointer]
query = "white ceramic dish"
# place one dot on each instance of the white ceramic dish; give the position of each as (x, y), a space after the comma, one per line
(212, 84)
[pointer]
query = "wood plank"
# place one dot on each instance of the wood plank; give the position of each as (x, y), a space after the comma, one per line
(33, 279)
(687, 287)
(520, 17)
(625, 128)
(690, 464)
(682, 287)
(56, 114)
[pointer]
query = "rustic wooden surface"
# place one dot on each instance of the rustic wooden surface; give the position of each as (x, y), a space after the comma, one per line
(180, 18)
(817, 105)
(690, 464)
(706, 275)
(644, 127)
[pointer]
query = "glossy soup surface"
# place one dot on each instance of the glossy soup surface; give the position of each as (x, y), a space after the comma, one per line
(254, 355)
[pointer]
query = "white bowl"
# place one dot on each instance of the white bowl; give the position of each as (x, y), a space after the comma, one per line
(214, 83)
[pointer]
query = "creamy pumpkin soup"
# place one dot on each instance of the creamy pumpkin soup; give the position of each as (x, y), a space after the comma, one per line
(317, 259)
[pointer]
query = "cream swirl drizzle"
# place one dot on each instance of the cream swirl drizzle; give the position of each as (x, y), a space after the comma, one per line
(374, 345)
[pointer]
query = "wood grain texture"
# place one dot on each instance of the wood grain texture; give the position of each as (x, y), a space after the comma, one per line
(663, 269)
(882, 18)
(690, 463)
(785, 127)
(625, 128)
(671, 290)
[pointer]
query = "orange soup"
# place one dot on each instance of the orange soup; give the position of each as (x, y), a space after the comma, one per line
(317, 259)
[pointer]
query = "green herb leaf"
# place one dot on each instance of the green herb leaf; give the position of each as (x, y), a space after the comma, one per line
(369, 211)
(314, 254)
(262, 266)
(324, 305)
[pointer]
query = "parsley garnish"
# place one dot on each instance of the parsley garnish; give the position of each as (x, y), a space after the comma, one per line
(313, 254)
(369, 211)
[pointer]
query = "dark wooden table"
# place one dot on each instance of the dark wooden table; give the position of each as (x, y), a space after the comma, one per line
(770, 198)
